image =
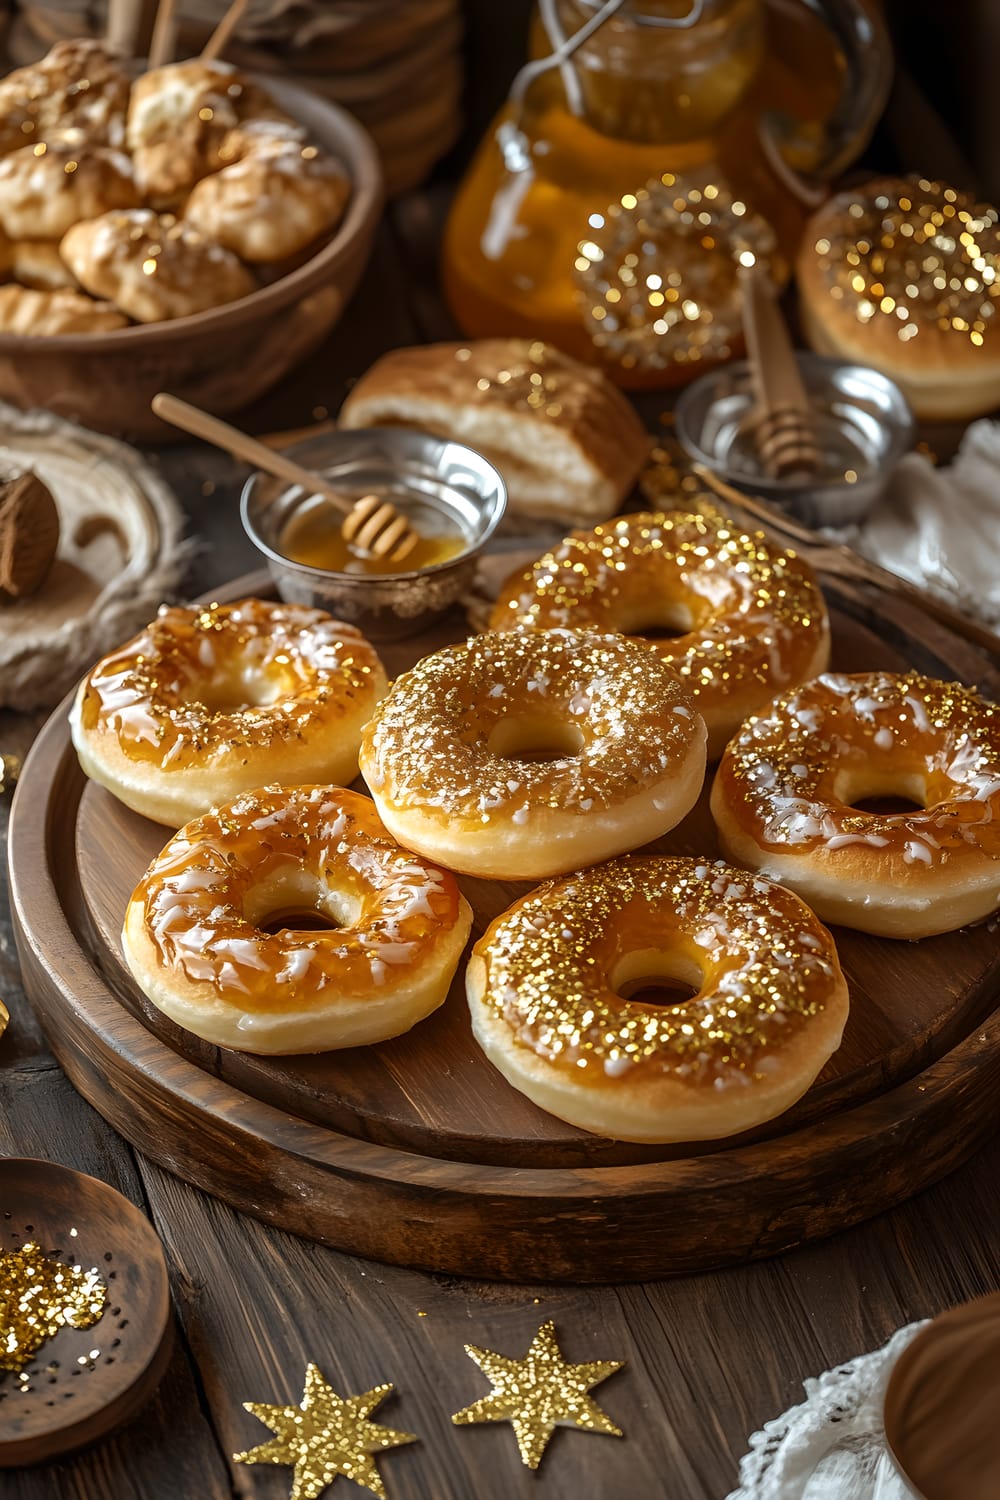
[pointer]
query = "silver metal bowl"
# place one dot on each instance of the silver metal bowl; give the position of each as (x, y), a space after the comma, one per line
(430, 480)
(862, 424)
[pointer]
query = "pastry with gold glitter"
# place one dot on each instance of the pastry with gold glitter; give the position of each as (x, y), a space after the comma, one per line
(153, 266)
(786, 797)
(275, 195)
(208, 702)
(325, 1436)
(743, 619)
(523, 755)
(539, 1393)
(902, 274)
(41, 314)
(77, 93)
(289, 921)
(568, 444)
(45, 189)
(549, 985)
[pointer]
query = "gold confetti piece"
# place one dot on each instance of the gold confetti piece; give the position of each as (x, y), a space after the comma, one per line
(325, 1436)
(38, 1296)
(10, 770)
(539, 1393)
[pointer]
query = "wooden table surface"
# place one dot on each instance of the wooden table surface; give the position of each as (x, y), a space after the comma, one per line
(708, 1359)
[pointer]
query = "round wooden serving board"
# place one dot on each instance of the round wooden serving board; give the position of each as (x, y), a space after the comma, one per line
(418, 1152)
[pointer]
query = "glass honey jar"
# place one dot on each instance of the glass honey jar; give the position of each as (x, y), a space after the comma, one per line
(613, 200)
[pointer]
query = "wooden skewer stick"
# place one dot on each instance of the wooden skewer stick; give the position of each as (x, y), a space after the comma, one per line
(164, 39)
(843, 562)
(125, 28)
(372, 524)
(219, 40)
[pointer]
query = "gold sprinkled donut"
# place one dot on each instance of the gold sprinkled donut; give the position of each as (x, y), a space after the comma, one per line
(750, 616)
(523, 755)
(784, 796)
(548, 985)
(198, 945)
(206, 703)
(902, 274)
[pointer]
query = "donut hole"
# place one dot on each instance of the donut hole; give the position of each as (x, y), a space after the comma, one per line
(228, 692)
(657, 977)
(655, 619)
(534, 738)
(295, 900)
(884, 792)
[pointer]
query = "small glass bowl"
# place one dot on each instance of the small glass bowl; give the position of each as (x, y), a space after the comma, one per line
(862, 425)
(428, 479)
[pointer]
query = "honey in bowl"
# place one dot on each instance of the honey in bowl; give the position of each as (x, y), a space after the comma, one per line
(313, 537)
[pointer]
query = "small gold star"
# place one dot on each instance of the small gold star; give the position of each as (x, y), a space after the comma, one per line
(327, 1435)
(539, 1393)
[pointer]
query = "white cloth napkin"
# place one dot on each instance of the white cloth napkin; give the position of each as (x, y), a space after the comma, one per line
(940, 527)
(832, 1446)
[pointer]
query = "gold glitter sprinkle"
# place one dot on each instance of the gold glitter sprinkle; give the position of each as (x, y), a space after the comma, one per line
(914, 255)
(428, 742)
(38, 1296)
(539, 1393)
(748, 615)
(767, 962)
(664, 232)
(780, 776)
(325, 1436)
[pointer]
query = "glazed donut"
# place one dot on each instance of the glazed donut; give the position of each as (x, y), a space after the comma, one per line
(549, 979)
(277, 196)
(196, 942)
(904, 274)
(77, 91)
(205, 703)
(44, 190)
(152, 266)
(784, 793)
(50, 313)
(459, 755)
(179, 116)
(751, 616)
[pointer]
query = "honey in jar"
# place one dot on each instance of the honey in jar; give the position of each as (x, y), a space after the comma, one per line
(660, 131)
(313, 537)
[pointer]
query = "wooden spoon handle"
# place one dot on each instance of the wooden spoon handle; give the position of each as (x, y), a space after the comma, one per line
(219, 40)
(221, 435)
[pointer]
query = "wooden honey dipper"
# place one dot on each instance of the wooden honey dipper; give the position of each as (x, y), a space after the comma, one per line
(781, 424)
(371, 524)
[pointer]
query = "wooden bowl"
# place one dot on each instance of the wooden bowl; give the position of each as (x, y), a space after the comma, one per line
(226, 357)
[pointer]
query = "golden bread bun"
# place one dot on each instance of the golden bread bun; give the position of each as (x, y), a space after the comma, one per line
(567, 442)
(902, 274)
(276, 197)
(46, 189)
(77, 91)
(178, 118)
(153, 266)
(23, 310)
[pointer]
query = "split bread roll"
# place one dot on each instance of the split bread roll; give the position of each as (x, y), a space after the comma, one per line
(567, 442)
(904, 274)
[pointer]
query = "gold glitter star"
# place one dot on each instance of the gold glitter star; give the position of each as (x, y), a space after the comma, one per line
(327, 1435)
(538, 1393)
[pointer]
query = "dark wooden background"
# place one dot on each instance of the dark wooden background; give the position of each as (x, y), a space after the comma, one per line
(708, 1358)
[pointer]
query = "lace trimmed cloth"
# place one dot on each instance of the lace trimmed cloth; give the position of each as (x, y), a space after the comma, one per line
(832, 1446)
(940, 527)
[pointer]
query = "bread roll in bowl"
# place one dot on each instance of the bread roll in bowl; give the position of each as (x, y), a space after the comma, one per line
(215, 933)
(902, 274)
(206, 703)
(524, 755)
(783, 801)
(548, 984)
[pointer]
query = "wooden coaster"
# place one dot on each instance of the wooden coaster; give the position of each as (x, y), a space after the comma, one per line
(83, 1382)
